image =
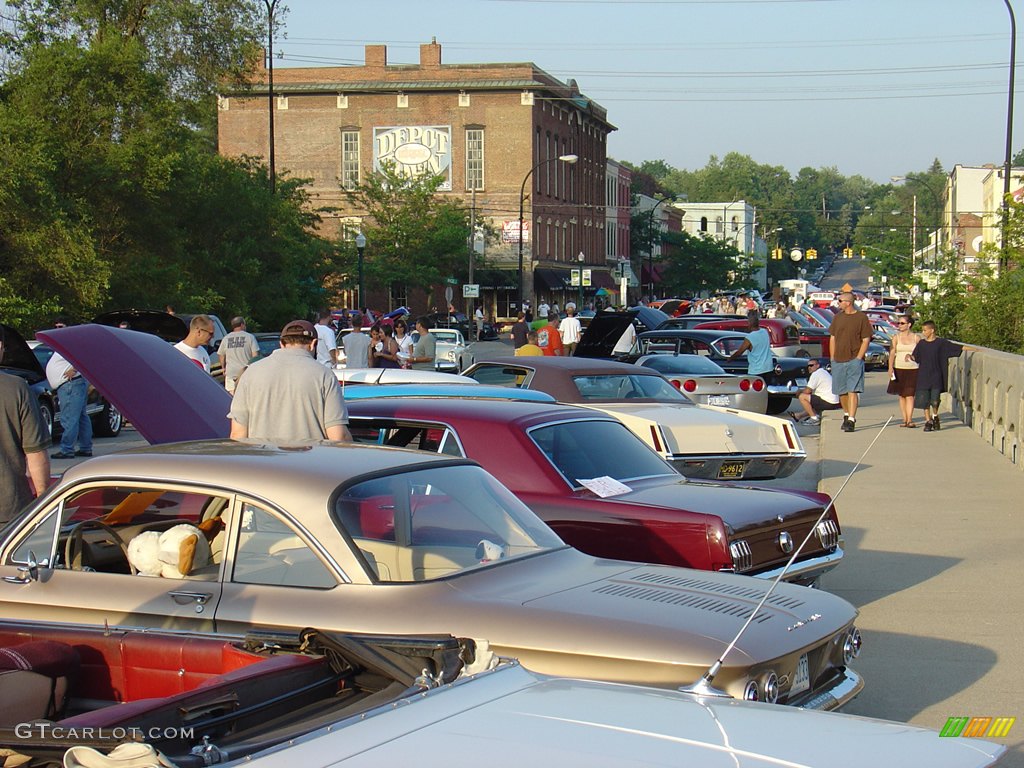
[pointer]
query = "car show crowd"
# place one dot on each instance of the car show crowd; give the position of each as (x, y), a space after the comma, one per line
(298, 492)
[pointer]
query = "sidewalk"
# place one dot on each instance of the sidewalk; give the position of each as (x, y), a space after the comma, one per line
(934, 563)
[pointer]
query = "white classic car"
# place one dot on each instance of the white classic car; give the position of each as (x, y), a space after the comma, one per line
(700, 441)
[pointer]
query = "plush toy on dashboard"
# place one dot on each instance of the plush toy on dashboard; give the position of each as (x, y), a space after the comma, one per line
(173, 554)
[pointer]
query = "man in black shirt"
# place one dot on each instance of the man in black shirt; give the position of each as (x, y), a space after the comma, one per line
(519, 330)
(932, 355)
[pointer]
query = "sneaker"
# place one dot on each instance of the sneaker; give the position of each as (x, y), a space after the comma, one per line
(928, 426)
(935, 423)
(62, 455)
(86, 454)
(846, 420)
(814, 420)
(849, 425)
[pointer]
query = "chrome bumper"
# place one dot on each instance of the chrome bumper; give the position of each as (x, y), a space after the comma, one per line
(840, 692)
(764, 466)
(806, 571)
(784, 389)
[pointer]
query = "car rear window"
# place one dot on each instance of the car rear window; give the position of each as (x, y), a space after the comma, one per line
(694, 365)
(569, 446)
(626, 386)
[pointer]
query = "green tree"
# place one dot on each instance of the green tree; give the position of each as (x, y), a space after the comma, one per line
(694, 264)
(413, 234)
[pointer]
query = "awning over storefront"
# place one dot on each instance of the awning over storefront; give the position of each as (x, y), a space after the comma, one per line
(646, 272)
(552, 279)
(601, 279)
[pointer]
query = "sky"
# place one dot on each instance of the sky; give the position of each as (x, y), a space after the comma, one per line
(871, 87)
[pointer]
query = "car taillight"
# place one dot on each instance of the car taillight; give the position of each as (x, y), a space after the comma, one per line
(690, 385)
(675, 383)
(758, 385)
(656, 438)
(744, 385)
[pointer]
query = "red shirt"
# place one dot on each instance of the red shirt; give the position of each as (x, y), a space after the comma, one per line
(550, 340)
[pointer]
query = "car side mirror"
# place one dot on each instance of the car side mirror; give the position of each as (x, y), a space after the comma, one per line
(26, 573)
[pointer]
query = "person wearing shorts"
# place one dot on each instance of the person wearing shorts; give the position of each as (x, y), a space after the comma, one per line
(817, 396)
(932, 355)
(850, 331)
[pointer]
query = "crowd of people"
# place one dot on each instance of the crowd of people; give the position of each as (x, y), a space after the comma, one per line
(918, 369)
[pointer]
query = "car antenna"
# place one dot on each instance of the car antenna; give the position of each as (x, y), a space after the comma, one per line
(704, 686)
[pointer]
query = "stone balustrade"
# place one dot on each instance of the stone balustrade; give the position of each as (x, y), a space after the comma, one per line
(986, 388)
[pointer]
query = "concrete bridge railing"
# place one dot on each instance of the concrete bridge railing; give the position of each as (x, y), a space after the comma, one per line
(987, 392)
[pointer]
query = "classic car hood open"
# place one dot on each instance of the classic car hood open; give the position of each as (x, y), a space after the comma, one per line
(163, 324)
(699, 425)
(135, 371)
(513, 717)
(748, 507)
(606, 328)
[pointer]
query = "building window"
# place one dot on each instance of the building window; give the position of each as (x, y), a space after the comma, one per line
(349, 159)
(399, 293)
(703, 223)
(474, 158)
(735, 223)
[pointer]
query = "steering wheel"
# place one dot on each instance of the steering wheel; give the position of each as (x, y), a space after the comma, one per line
(74, 545)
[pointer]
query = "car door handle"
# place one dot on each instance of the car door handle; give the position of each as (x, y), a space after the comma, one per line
(185, 597)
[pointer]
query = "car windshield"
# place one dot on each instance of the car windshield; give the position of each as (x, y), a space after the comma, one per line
(445, 335)
(627, 386)
(435, 523)
(569, 447)
(726, 345)
(694, 365)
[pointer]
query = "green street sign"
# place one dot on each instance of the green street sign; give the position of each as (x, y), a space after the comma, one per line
(451, 281)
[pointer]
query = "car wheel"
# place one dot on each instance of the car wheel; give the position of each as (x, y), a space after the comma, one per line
(802, 353)
(108, 422)
(46, 408)
(778, 405)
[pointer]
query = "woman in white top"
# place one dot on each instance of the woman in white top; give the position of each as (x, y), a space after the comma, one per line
(404, 341)
(903, 369)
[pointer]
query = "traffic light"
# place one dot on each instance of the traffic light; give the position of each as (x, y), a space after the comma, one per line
(863, 253)
(812, 253)
(776, 254)
(847, 253)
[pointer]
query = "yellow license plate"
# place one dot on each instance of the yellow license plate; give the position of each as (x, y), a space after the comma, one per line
(731, 470)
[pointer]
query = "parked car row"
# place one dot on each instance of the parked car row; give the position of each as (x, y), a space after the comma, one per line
(471, 517)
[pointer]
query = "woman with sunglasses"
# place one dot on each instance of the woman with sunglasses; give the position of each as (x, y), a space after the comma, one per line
(903, 369)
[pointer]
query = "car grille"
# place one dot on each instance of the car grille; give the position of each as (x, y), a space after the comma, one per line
(828, 533)
(742, 557)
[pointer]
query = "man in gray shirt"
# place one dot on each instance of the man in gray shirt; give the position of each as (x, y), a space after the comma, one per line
(236, 351)
(425, 348)
(289, 395)
(24, 441)
(357, 345)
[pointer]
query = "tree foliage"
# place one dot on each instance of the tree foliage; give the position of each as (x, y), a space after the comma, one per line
(413, 235)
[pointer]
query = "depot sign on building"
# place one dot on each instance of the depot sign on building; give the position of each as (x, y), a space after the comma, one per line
(415, 150)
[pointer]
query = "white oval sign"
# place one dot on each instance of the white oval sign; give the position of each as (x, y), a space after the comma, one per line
(412, 153)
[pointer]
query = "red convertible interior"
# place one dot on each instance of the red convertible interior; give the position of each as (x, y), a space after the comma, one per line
(184, 694)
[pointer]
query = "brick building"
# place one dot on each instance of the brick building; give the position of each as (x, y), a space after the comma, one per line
(494, 129)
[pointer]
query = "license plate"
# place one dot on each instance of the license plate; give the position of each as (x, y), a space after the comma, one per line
(731, 470)
(802, 677)
(718, 400)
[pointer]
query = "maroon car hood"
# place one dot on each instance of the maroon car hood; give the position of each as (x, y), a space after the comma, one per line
(166, 396)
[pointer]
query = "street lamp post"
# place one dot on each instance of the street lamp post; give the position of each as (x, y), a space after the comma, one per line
(580, 258)
(271, 4)
(650, 249)
(1009, 129)
(571, 159)
(360, 250)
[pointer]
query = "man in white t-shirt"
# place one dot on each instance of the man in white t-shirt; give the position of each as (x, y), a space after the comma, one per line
(817, 394)
(200, 333)
(570, 329)
(327, 340)
(542, 310)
